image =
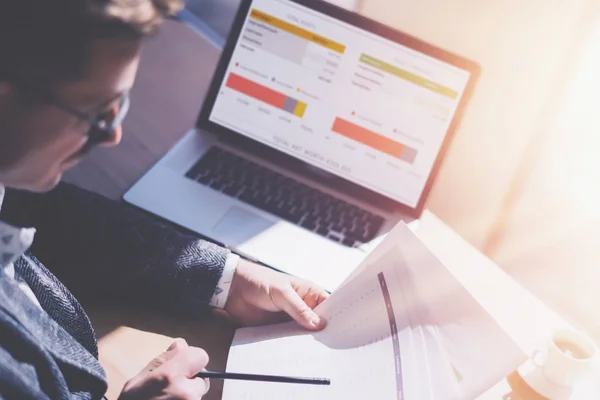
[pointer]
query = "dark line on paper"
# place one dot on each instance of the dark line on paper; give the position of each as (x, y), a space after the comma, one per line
(394, 331)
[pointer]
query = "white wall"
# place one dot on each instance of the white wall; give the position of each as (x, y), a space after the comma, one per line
(552, 236)
(521, 46)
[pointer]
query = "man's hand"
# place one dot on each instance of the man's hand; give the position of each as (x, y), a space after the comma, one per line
(170, 376)
(259, 295)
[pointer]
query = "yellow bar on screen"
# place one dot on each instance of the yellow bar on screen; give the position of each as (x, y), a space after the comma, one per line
(297, 31)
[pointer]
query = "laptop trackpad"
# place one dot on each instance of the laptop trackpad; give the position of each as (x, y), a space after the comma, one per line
(239, 226)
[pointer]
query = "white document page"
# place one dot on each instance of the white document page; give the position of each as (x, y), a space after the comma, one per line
(360, 350)
(393, 238)
(478, 351)
(442, 374)
(401, 328)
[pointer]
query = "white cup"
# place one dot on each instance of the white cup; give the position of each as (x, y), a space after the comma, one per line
(568, 356)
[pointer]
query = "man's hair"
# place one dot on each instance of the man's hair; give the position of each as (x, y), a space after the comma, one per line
(49, 40)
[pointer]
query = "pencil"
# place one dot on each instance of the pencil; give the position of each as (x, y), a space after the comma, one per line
(263, 378)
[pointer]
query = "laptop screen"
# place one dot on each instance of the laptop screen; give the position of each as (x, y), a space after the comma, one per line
(339, 97)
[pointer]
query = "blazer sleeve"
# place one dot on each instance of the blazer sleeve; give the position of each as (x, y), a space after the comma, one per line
(104, 250)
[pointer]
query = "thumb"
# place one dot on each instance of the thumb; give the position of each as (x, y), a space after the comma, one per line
(291, 302)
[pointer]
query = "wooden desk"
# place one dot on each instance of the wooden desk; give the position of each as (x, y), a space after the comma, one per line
(174, 74)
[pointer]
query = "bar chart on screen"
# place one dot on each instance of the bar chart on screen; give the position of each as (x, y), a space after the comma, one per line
(266, 95)
(374, 140)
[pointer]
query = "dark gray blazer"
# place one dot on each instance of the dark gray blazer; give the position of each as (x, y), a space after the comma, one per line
(102, 251)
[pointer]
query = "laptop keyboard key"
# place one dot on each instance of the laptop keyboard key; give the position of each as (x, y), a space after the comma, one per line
(217, 185)
(336, 237)
(232, 191)
(207, 180)
(349, 241)
(309, 224)
(336, 228)
(292, 217)
(377, 222)
(322, 231)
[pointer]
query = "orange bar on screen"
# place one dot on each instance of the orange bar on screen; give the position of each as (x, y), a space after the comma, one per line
(256, 90)
(367, 137)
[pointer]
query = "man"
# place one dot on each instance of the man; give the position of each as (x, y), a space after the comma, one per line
(66, 67)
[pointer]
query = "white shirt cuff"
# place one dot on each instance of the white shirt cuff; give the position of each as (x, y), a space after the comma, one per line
(219, 299)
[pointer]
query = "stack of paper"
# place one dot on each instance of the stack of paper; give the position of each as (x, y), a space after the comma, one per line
(401, 327)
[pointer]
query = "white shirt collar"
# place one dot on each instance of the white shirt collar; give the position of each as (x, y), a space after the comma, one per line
(14, 242)
(1, 196)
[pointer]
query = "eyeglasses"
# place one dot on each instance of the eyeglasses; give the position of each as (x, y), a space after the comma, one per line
(102, 127)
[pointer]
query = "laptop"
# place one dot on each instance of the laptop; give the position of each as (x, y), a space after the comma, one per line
(321, 130)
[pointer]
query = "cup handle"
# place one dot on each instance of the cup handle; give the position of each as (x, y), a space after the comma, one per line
(539, 358)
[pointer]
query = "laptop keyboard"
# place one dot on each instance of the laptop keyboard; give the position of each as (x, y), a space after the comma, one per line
(285, 197)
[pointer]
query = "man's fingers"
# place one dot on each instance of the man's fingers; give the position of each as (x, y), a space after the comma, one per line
(167, 355)
(315, 296)
(189, 361)
(182, 358)
(171, 375)
(193, 388)
(291, 302)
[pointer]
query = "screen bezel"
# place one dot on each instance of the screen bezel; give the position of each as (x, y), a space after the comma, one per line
(343, 184)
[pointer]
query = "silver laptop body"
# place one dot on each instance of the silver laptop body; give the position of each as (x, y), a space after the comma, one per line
(321, 130)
